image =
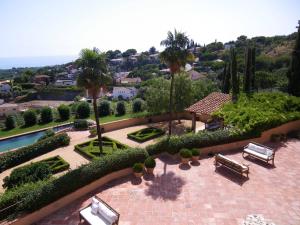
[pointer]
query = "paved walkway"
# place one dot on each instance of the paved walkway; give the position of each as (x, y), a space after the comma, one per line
(198, 195)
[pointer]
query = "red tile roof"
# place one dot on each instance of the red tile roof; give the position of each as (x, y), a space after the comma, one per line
(210, 103)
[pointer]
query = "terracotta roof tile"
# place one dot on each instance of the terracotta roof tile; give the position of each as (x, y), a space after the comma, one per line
(210, 103)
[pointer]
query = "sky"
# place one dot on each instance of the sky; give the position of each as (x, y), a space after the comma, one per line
(33, 28)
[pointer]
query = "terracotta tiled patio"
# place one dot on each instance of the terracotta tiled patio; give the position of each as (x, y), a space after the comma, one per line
(199, 195)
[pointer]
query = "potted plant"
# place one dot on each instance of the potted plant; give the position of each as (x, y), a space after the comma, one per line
(138, 170)
(185, 155)
(195, 154)
(150, 164)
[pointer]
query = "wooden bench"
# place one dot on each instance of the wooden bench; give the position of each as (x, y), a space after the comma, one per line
(104, 215)
(239, 168)
(259, 151)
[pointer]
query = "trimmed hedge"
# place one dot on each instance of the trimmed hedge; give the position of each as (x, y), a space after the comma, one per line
(81, 124)
(90, 149)
(56, 163)
(35, 196)
(203, 138)
(145, 134)
(48, 133)
(14, 158)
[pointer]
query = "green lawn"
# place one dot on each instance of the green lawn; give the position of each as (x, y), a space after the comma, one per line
(111, 118)
(20, 130)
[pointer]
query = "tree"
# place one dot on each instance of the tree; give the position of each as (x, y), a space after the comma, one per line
(10, 122)
(129, 52)
(248, 71)
(83, 110)
(104, 108)
(152, 50)
(157, 95)
(46, 115)
(175, 56)
(64, 112)
(253, 67)
(183, 92)
(226, 79)
(202, 88)
(121, 109)
(93, 77)
(30, 118)
(294, 69)
(137, 105)
(234, 78)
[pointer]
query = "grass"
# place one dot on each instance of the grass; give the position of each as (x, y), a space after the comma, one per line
(91, 150)
(145, 134)
(112, 118)
(57, 164)
(21, 130)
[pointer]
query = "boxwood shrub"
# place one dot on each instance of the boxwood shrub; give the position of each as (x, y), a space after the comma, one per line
(14, 158)
(35, 196)
(145, 134)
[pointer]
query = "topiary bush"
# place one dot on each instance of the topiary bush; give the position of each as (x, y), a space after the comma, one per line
(14, 158)
(145, 134)
(137, 167)
(64, 112)
(26, 174)
(104, 108)
(48, 133)
(46, 115)
(195, 152)
(83, 110)
(30, 118)
(120, 109)
(185, 153)
(81, 124)
(10, 122)
(150, 162)
(137, 105)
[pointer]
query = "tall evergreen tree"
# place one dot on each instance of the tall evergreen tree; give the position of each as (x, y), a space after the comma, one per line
(248, 71)
(234, 78)
(253, 61)
(294, 70)
(226, 79)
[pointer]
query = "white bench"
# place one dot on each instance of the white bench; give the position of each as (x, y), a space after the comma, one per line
(99, 213)
(231, 164)
(260, 152)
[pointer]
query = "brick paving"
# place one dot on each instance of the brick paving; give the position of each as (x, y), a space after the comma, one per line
(200, 195)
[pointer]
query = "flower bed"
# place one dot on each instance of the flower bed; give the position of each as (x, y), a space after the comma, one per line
(145, 134)
(91, 150)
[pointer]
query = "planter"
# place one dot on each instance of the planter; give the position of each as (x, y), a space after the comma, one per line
(185, 160)
(138, 175)
(150, 170)
(195, 158)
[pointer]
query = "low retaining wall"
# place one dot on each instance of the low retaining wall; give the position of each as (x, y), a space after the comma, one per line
(68, 199)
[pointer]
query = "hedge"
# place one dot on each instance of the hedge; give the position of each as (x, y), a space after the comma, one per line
(14, 158)
(35, 196)
(145, 134)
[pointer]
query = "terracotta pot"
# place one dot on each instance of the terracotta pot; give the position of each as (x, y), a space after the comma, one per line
(138, 175)
(195, 158)
(150, 170)
(185, 160)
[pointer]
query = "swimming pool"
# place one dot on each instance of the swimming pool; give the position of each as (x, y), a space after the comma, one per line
(26, 139)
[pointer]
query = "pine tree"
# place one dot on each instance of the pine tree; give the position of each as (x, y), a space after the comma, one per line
(234, 79)
(248, 71)
(294, 70)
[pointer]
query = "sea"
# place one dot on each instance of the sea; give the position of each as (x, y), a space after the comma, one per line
(36, 61)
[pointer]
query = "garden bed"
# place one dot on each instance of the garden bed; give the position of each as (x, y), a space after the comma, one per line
(146, 134)
(57, 164)
(91, 150)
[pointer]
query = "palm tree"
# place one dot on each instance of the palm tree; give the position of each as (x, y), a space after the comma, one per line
(175, 55)
(93, 77)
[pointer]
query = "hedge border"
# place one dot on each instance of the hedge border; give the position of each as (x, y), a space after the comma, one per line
(141, 140)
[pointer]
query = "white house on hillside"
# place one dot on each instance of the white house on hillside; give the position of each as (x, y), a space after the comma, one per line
(4, 86)
(8, 109)
(65, 82)
(124, 92)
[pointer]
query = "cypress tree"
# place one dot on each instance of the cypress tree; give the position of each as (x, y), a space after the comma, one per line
(294, 70)
(234, 79)
(253, 61)
(226, 81)
(248, 65)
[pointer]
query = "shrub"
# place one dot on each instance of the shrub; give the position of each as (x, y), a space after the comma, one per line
(93, 132)
(83, 110)
(150, 162)
(26, 174)
(145, 134)
(81, 124)
(30, 118)
(35, 196)
(195, 152)
(46, 115)
(137, 105)
(56, 164)
(27, 85)
(104, 108)
(185, 153)
(14, 158)
(121, 110)
(48, 133)
(64, 112)
(138, 167)
(10, 122)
